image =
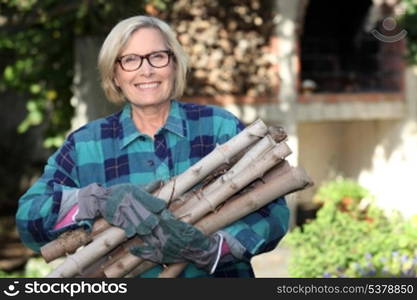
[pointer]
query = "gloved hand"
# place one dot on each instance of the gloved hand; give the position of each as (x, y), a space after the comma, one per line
(126, 205)
(173, 241)
(167, 240)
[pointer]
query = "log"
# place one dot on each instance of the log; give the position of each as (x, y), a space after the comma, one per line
(75, 263)
(265, 144)
(171, 190)
(124, 264)
(238, 162)
(203, 202)
(293, 180)
(70, 241)
(96, 270)
(141, 268)
(281, 180)
(221, 154)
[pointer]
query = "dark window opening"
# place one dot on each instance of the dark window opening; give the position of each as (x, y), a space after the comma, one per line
(339, 55)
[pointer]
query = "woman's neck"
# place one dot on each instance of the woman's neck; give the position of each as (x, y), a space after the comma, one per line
(149, 119)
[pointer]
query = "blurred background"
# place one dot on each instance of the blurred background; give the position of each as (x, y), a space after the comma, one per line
(340, 76)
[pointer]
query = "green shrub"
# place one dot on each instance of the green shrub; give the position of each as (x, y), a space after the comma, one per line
(37, 267)
(354, 240)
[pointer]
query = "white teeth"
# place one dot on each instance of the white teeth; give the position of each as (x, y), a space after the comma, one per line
(148, 85)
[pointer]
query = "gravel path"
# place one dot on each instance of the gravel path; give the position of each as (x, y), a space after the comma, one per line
(272, 264)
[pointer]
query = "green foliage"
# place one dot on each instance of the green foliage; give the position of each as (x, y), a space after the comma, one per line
(344, 193)
(353, 241)
(37, 39)
(408, 21)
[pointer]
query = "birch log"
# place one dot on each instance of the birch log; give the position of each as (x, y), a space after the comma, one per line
(124, 263)
(75, 263)
(96, 270)
(172, 189)
(203, 202)
(281, 180)
(70, 241)
(274, 186)
(221, 154)
(280, 169)
(265, 144)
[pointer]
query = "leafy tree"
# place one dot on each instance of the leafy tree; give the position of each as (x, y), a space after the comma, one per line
(37, 37)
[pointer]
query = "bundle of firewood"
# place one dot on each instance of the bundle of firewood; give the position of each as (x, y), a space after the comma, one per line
(235, 179)
(228, 43)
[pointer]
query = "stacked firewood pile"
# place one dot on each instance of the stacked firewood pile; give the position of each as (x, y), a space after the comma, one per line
(228, 46)
(234, 180)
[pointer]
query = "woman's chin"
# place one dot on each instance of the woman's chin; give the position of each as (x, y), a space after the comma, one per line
(143, 103)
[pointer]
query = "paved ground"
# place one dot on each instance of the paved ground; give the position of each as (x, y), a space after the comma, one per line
(272, 264)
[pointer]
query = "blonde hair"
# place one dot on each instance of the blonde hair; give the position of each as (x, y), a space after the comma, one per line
(116, 41)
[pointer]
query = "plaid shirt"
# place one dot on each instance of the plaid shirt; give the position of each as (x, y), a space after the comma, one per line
(111, 150)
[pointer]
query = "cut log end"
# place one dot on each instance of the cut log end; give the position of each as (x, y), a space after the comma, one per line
(277, 133)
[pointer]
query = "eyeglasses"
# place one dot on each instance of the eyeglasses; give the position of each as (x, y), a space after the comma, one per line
(157, 59)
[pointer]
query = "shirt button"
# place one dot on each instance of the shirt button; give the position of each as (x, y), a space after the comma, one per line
(151, 163)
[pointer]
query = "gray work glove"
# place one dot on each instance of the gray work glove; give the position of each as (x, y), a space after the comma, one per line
(173, 241)
(126, 205)
(167, 240)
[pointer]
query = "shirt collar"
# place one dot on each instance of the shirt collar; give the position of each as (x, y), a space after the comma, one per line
(175, 124)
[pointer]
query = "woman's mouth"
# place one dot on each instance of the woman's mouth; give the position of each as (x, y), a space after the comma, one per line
(147, 85)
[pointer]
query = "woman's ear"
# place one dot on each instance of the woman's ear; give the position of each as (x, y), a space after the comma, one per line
(116, 82)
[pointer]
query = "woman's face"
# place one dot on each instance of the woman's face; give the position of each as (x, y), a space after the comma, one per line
(147, 86)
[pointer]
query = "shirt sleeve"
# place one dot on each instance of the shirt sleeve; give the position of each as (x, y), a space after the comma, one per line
(262, 230)
(40, 207)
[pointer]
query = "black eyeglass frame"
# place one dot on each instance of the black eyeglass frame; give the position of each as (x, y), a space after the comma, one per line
(142, 57)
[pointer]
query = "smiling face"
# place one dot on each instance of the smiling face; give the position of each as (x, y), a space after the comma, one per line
(147, 86)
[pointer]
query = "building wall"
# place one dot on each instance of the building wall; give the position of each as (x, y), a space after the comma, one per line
(380, 154)
(373, 142)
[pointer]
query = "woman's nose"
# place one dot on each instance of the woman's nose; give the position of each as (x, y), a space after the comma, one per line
(146, 69)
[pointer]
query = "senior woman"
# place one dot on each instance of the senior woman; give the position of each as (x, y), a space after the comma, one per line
(102, 167)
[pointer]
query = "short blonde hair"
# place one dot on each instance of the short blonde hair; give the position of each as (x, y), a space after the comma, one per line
(116, 41)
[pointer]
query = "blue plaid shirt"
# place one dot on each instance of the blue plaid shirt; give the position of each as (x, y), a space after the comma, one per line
(111, 150)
